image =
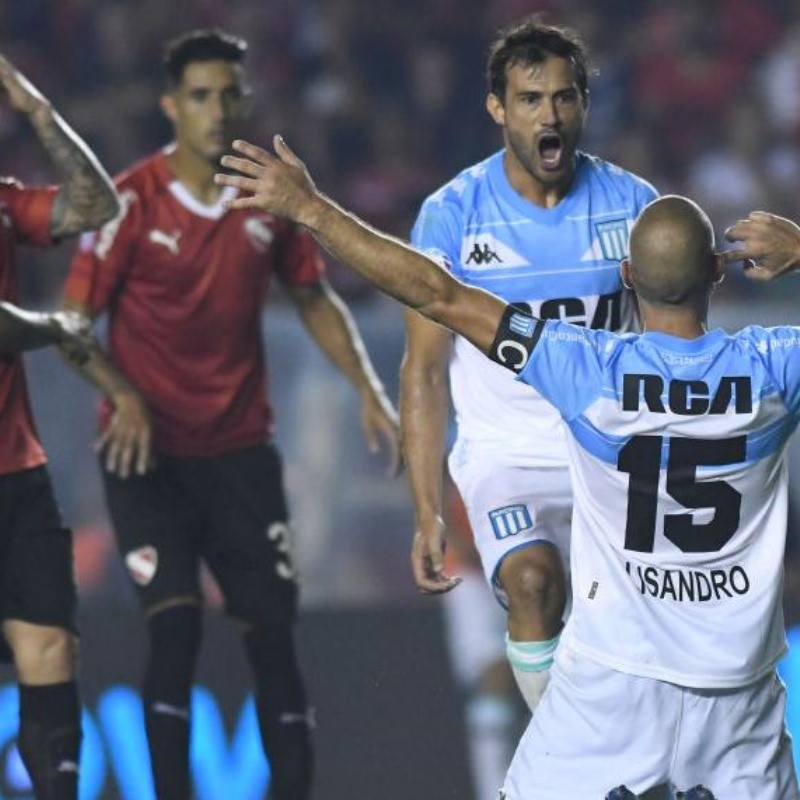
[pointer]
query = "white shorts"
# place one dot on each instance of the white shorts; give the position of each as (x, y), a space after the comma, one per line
(511, 506)
(596, 729)
(475, 628)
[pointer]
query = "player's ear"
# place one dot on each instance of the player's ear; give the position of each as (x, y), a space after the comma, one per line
(496, 109)
(625, 273)
(719, 268)
(167, 103)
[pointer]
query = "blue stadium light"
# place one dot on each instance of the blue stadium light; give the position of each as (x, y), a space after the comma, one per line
(115, 749)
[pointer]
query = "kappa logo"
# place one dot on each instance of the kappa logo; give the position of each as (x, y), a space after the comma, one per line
(484, 251)
(259, 233)
(510, 520)
(142, 564)
(168, 240)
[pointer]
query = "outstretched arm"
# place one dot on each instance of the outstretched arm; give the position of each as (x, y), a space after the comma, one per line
(329, 322)
(281, 185)
(770, 245)
(87, 198)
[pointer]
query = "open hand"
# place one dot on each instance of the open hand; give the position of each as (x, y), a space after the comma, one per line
(127, 440)
(771, 245)
(278, 184)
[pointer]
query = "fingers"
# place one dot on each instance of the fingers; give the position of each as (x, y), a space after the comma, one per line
(237, 181)
(428, 569)
(243, 165)
(242, 202)
(284, 152)
(740, 254)
(144, 457)
(257, 154)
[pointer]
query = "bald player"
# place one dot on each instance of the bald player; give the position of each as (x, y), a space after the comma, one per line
(677, 436)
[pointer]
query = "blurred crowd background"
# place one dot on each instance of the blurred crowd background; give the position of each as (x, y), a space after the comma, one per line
(385, 101)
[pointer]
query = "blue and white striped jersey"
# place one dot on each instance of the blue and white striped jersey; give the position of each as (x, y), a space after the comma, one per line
(677, 457)
(560, 263)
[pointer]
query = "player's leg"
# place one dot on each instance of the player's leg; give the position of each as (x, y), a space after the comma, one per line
(39, 602)
(520, 518)
(475, 627)
(595, 730)
(535, 586)
(735, 744)
(156, 527)
(249, 551)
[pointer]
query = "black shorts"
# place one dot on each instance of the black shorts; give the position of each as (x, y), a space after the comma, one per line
(229, 511)
(37, 582)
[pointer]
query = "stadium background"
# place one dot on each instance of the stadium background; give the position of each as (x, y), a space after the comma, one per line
(384, 100)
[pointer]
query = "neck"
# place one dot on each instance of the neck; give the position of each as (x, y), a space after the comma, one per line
(546, 195)
(195, 173)
(685, 322)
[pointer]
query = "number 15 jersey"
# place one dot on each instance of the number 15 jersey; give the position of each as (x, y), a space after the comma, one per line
(560, 262)
(677, 457)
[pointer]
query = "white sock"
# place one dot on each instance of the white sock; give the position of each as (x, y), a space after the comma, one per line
(531, 662)
(490, 741)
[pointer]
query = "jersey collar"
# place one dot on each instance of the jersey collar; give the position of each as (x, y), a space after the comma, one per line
(664, 341)
(548, 216)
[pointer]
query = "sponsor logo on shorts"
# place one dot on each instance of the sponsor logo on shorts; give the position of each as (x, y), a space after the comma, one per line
(510, 520)
(142, 564)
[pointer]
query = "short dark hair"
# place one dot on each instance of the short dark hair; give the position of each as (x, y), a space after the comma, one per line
(200, 45)
(531, 42)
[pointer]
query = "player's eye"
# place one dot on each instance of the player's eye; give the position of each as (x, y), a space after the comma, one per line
(199, 95)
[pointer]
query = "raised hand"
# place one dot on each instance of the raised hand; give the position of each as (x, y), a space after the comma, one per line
(279, 184)
(770, 245)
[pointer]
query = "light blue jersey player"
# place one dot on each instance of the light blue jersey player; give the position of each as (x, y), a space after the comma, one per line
(677, 439)
(544, 226)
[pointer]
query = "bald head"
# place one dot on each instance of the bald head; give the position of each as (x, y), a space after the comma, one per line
(672, 252)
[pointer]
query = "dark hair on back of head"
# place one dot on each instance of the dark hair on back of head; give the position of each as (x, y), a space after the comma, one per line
(200, 45)
(531, 42)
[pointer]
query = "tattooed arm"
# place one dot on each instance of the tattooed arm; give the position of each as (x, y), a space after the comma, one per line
(86, 198)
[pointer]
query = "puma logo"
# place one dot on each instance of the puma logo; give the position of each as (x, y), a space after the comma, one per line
(168, 240)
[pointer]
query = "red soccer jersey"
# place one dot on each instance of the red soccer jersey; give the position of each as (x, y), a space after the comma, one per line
(25, 219)
(184, 284)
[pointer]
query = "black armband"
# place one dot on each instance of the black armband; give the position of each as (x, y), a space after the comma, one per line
(516, 337)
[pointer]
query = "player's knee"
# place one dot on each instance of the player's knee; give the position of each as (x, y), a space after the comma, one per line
(533, 584)
(44, 655)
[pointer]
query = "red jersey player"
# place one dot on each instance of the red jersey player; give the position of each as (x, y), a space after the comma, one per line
(37, 592)
(183, 282)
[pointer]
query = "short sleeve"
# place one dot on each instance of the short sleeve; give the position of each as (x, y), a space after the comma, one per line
(780, 349)
(567, 365)
(103, 258)
(437, 231)
(299, 261)
(31, 211)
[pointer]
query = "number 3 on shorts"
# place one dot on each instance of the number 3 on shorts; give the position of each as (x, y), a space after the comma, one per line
(278, 532)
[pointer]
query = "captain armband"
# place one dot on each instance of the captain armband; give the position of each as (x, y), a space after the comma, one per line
(516, 337)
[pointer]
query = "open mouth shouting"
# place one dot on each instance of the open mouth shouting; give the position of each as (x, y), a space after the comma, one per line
(551, 151)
